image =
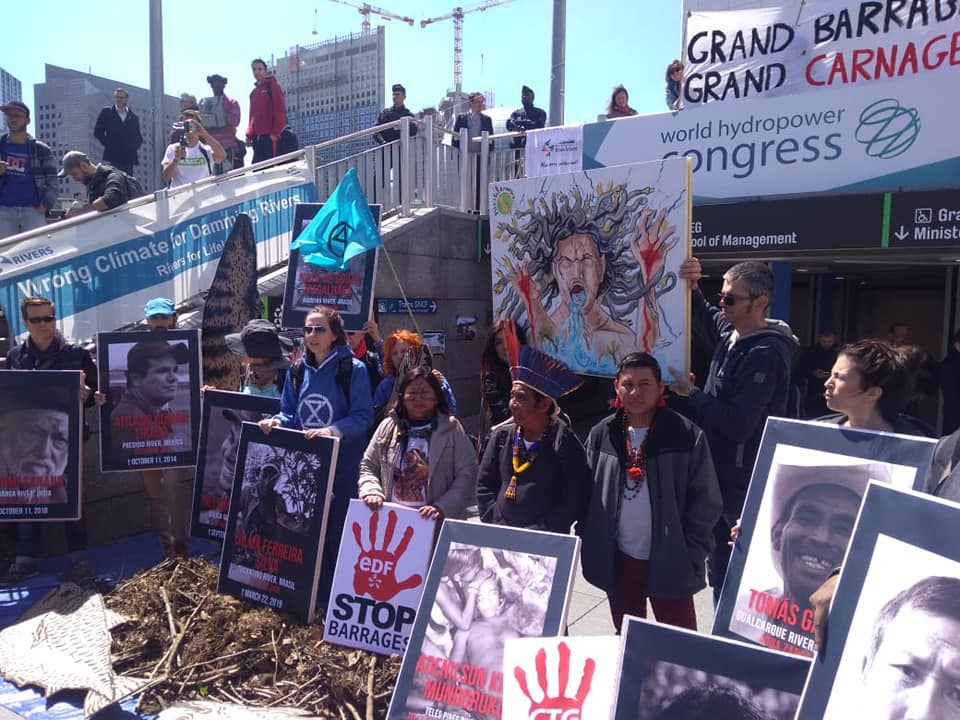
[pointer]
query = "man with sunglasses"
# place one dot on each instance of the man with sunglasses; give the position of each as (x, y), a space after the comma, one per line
(749, 380)
(46, 349)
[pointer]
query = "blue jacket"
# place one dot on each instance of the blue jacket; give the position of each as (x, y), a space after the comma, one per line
(748, 383)
(320, 403)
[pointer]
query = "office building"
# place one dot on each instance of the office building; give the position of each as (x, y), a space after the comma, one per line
(65, 112)
(334, 88)
(9, 88)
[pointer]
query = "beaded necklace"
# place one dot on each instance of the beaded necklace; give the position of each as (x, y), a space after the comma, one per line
(529, 455)
(637, 459)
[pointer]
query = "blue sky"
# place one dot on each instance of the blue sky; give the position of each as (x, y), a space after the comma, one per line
(608, 42)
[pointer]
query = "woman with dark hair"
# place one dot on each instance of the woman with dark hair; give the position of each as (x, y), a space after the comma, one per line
(419, 455)
(399, 345)
(674, 90)
(868, 388)
(327, 393)
(495, 374)
(619, 104)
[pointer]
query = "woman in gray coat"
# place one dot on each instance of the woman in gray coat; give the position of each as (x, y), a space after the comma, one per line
(419, 455)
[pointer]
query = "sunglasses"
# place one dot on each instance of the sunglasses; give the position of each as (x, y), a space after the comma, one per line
(42, 319)
(311, 329)
(730, 299)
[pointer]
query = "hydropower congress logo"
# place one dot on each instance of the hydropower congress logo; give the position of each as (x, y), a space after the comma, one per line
(887, 129)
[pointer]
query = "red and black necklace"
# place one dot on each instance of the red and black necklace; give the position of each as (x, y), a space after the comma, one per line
(636, 461)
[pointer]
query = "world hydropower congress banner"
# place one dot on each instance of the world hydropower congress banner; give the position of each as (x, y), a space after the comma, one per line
(864, 137)
(100, 272)
(764, 52)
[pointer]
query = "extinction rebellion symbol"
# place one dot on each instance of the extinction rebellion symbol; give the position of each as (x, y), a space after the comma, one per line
(338, 237)
(887, 129)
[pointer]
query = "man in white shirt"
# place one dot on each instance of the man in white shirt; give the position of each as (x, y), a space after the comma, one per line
(190, 159)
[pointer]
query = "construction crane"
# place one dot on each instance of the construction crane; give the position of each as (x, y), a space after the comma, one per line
(365, 9)
(457, 14)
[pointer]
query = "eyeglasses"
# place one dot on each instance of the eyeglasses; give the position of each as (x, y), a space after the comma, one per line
(730, 299)
(42, 319)
(311, 329)
(159, 316)
(425, 395)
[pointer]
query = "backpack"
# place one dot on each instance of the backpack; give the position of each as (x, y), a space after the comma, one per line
(287, 142)
(134, 188)
(344, 376)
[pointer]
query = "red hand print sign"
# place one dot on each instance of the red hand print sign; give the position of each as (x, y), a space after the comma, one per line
(559, 706)
(375, 572)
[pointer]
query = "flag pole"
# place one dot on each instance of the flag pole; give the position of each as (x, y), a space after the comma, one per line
(403, 294)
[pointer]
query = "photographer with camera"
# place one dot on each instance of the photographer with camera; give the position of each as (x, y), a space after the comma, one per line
(189, 160)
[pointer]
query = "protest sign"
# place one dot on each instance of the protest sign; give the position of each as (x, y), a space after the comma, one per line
(41, 433)
(152, 416)
(487, 583)
(894, 625)
(379, 577)
(668, 673)
(587, 263)
(223, 414)
(350, 291)
(564, 678)
(803, 499)
(278, 519)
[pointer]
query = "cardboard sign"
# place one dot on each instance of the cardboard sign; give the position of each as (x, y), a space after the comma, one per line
(487, 583)
(379, 578)
(223, 414)
(41, 432)
(349, 291)
(587, 263)
(278, 519)
(667, 672)
(152, 416)
(803, 500)
(894, 625)
(569, 678)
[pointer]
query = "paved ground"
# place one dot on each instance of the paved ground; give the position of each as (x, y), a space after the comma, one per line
(589, 613)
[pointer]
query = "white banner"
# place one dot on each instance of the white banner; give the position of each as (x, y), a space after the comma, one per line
(100, 272)
(864, 137)
(554, 150)
(379, 578)
(773, 51)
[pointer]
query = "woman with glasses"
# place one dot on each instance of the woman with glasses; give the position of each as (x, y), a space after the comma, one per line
(419, 455)
(399, 344)
(327, 393)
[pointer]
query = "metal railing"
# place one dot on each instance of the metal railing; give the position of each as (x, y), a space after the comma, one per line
(421, 171)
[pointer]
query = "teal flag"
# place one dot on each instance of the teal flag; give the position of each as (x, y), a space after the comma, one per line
(344, 228)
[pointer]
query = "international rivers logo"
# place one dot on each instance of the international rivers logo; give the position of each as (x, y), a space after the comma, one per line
(887, 129)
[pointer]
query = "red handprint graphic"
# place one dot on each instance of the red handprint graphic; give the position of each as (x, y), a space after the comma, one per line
(375, 571)
(558, 707)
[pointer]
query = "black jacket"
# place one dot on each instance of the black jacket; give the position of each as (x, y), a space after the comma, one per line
(950, 388)
(109, 183)
(551, 494)
(390, 114)
(684, 499)
(486, 123)
(60, 355)
(524, 119)
(120, 139)
(748, 383)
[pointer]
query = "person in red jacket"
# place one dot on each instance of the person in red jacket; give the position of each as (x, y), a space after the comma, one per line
(268, 113)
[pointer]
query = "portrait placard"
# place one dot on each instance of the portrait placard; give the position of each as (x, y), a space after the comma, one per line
(562, 677)
(152, 416)
(892, 639)
(799, 513)
(223, 414)
(350, 291)
(379, 577)
(487, 583)
(278, 519)
(667, 673)
(587, 262)
(41, 433)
